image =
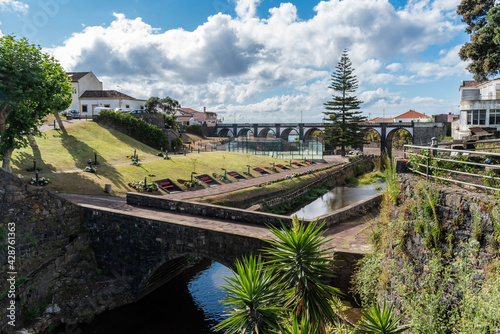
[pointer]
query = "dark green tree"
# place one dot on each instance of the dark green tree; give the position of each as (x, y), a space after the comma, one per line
(166, 105)
(342, 117)
(32, 85)
(483, 24)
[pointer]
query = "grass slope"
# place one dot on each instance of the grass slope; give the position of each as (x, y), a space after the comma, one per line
(65, 152)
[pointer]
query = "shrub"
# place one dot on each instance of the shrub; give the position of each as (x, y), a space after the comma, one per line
(195, 129)
(148, 134)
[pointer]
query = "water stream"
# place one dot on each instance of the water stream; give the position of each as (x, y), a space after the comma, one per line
(337, 198)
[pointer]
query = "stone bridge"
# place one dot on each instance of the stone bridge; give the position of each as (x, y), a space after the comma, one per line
(421, 133)
(147, 247)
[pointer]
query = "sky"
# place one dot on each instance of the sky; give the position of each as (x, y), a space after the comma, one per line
(256, 60)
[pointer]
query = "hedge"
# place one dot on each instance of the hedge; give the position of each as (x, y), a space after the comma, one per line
(146, 133)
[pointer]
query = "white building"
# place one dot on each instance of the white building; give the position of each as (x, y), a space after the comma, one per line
(80, 82)
(88, 94)
(479, 106)
(111, 99)
(412, 116)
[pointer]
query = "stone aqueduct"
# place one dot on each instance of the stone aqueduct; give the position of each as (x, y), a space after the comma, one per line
(421, 133)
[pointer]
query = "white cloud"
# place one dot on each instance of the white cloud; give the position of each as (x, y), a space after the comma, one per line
(234, 64)
(394, 67)
(13, 6)
(246, 9)
(448, 65)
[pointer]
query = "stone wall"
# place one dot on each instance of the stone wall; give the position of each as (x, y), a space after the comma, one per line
(345, 213)
(53, 262)
(458, 232)
(207, 210)
(336, 177)
(423, 132)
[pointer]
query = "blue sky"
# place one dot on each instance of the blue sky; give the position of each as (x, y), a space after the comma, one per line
(258, 61)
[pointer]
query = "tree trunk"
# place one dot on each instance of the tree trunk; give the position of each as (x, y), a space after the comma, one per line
(59, 121)
(6, 160)
(32, 140)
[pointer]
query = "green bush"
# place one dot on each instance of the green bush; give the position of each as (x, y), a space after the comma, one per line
(195, 129)
(146, 133)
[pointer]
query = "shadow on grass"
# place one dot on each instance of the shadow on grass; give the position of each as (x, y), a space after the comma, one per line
(120, 136)
(23, 162)
(83, 153)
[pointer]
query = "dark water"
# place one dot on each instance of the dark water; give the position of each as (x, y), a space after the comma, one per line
(337, 198)
(188, 304)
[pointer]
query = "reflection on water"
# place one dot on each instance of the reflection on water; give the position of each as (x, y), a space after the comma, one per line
(337, 198)
(188, 304)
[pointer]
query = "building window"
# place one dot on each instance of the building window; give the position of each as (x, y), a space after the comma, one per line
(142, 107)
(84, 108)
(494, 117)
(73, 91)
(106, 106)
(127, 106)
(476, 117)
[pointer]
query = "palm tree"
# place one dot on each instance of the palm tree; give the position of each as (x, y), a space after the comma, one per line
(303, 266)
(252, 299)
(377, 320)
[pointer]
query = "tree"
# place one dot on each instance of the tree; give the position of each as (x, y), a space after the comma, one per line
(166, 105)
(342, 128)
(483, 52)
(32, 85)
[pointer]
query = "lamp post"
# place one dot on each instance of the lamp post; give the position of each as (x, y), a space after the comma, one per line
(225, 173)
(95, 158)
(248, 169)
(434, 143)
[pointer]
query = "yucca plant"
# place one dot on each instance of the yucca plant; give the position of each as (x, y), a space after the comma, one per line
(381, 320)
(297, 254)
(252, 302)
(294, 327)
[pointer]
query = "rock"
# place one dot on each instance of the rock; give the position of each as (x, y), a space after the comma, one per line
(53, 309)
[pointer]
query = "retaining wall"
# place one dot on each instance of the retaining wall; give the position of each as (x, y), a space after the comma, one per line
(336, 177)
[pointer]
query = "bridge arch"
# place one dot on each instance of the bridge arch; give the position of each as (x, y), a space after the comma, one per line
(168, 268)
(398, 137)
(245, 132)
(285, 134)
(225, 132)
(312, 133)
(263, 133)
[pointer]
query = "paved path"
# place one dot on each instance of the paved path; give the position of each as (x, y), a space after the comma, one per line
(230, 187)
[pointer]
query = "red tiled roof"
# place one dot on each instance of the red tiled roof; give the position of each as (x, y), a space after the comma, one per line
(412, 114)
(188, 110)
(99, 94)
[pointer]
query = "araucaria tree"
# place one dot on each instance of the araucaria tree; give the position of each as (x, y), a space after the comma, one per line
(32, 85)
(483, 24)
(343, 115)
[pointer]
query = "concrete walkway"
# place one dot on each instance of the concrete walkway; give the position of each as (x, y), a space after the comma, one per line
(230, 187)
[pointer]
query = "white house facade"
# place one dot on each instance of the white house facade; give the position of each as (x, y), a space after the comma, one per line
(112, 99)
(81, 82)
(88, 94)
(479, 106)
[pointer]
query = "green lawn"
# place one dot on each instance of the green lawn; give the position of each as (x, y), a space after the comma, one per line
(71, 151)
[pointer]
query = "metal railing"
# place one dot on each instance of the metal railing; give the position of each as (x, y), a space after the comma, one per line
(446, 165)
